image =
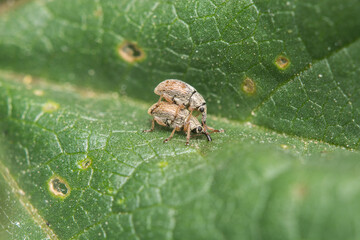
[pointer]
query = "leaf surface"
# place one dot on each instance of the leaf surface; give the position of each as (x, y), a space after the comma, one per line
(77, 78)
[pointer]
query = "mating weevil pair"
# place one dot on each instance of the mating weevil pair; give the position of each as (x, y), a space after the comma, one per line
(176, 112)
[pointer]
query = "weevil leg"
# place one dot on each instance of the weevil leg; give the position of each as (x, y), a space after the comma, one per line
(152, 126)
(197, 114)
(213, 130)
(187, 120)
(176, 113)
(203, 122)
(204, 126)
(158, 102)
(171, 135)
(188, 134)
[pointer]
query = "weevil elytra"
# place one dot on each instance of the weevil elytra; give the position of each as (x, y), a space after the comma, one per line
(169, 115)
(183, 95)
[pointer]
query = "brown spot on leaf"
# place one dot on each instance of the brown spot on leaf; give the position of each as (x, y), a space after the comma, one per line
(85, 163)
(50, 107)
(282, 62)
(131, 52)
(38, 92)
(27, 80)
(284, 146)
(299, 191)
(98, 13)
(162, 164)
(59, 187)
(248, 86)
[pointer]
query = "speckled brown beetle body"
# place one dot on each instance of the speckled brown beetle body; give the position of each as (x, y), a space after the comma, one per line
(183, 95)
(169, 115)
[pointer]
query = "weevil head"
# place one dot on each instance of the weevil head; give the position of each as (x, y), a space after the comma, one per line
(203, 109)
(200, 129)
(195, 125)
(198, 102)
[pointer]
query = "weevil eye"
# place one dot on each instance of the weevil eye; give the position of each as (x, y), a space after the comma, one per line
(201, 109)
(199, 129)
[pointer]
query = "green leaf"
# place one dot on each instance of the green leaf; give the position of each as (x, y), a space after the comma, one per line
(77, 78)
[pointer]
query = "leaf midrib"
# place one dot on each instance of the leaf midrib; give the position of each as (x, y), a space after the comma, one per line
(25, 203)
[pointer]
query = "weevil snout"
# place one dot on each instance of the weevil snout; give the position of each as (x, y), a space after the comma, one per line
(208, 136)
(203, 131)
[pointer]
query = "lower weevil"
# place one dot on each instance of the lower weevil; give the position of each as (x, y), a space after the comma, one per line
(168, 115)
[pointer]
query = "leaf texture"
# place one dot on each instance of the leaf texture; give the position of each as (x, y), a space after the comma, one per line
(77, 78)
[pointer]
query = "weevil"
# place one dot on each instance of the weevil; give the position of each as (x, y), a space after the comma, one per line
(185, 96)
(169, 115)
